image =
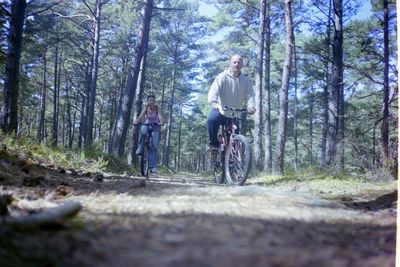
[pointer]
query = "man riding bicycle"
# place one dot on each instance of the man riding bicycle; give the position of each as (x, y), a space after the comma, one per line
(150, 115)
(231, 88)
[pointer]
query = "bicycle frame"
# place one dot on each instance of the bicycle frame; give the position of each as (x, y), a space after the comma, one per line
(228, 132)
(148, 136)
(234, 164)
(146, 148)
(230, 129)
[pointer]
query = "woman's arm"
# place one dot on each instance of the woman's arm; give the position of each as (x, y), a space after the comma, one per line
(160, 119)
(141, 117)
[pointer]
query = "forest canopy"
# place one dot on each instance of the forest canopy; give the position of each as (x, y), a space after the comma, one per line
(75, 74)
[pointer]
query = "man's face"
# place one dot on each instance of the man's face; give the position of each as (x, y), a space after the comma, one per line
(236, 63)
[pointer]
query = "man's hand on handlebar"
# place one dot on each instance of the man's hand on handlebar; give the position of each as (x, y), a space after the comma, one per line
(216, 106)
(251, 111)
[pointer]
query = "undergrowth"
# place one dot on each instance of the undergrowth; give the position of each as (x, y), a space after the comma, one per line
(90, 160)
(329, 184)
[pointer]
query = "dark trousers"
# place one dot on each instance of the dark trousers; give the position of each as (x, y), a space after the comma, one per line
(215, 119)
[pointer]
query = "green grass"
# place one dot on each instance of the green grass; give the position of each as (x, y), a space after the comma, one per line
(329, 185)
(90, 160)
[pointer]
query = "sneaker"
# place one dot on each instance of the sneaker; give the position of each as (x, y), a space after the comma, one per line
(213, 159)
(153, 170)
(213, 149)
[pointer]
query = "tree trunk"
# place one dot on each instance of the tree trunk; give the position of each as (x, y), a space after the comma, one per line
(374, 146)
(258, 89)
(94, 74)
(138, 106)
(84, 108)
(59, 89)
(113, 111)
(386, 89)
(9, 112)
(267, 47)
(54, 128)
(326, 87)
(42, 116)
(170, 111)
(163, 136)
(74, 119)
(69, 116)
(296, 113)
(179, 142)
(278, 164)
(311, 128)
(337, 85)
(125, 104)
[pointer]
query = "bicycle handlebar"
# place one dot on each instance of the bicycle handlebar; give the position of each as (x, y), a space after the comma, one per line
(225, 107)
(149, 124)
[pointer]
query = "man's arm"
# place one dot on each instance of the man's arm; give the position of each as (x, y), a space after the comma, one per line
(251, 106)
(213, 93)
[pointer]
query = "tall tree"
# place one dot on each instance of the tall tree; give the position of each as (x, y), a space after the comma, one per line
(386, 89)
(267, 70)
(125, 103)
(258, 88)
(94, 68)
(327, 85)
(138, 107)
(166, 156)
(296, 109)
(278, 162)
(42, 115)
(9, 111)
(337, 85)
(54, 132)
(311, 126)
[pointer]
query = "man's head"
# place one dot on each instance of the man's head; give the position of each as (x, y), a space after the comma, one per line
(236, 64)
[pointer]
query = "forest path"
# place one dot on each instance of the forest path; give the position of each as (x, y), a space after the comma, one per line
(183, 220)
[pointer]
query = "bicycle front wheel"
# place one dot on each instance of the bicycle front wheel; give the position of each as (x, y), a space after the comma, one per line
(144, 161)
(237, 160)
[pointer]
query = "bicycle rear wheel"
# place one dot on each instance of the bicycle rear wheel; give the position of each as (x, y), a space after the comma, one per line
(218, 168)
(237, 160)
(144, 162)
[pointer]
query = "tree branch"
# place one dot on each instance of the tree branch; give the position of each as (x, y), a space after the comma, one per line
(168, 9)
(365, 74)
(42, 10)
(247, 4)
(51, 216)
(8, 13)
(90, 9)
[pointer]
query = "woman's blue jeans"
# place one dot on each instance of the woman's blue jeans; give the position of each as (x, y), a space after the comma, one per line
(155, 135)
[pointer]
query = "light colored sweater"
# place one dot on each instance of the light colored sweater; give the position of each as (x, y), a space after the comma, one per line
(231, 91)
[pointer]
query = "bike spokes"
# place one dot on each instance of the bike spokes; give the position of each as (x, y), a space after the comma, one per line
(218, 169)
(144, 161)
(238, 160)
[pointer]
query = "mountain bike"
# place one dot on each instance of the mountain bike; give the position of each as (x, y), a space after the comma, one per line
(234, 154)
(146, 148)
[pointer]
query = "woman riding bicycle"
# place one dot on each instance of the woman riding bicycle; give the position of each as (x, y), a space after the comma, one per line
(150, 115)
(229, 88)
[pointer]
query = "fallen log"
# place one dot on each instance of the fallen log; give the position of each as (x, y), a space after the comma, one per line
(48, 217)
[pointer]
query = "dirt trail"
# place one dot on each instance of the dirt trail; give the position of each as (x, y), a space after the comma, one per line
(190, 221)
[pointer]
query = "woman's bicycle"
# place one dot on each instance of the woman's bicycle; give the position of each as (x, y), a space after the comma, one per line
(234, 161)
(146, 148)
